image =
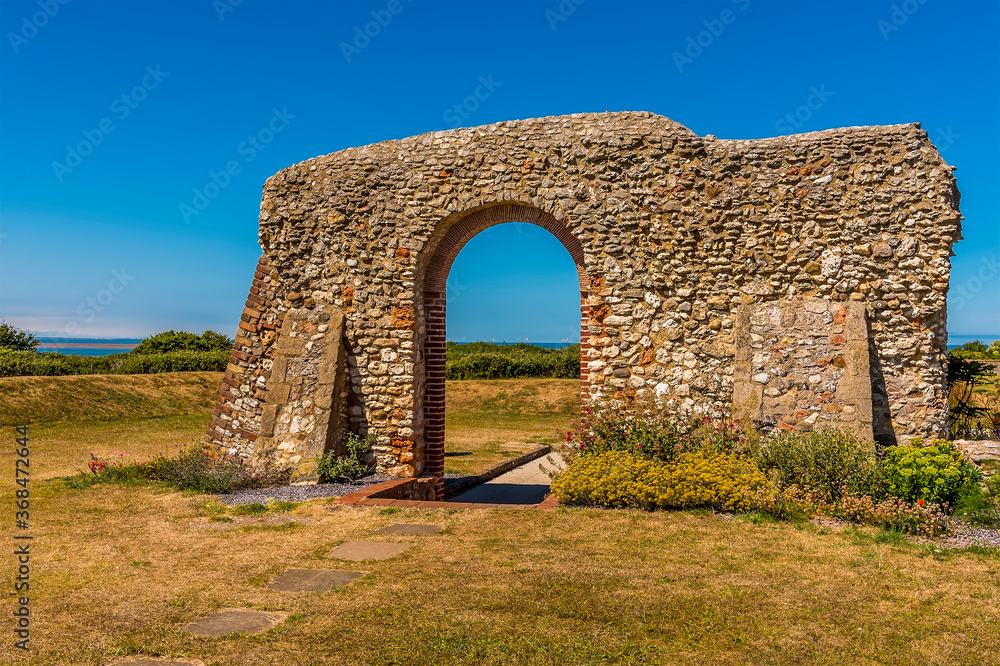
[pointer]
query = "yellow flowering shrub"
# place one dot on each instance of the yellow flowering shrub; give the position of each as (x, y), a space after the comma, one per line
(616, 479)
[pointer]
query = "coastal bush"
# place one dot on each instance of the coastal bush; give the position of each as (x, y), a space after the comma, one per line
(176, 341)
(16, 339)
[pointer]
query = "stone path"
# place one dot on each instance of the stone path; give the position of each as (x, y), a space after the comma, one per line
(239, 621)
(234, 622)
(357, 551)
(526, 484)
(312, 580)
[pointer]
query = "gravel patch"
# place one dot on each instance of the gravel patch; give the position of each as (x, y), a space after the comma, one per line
(299, 493)
(967, 535)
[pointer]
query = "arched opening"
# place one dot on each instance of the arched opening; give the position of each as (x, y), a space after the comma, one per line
(435, 296)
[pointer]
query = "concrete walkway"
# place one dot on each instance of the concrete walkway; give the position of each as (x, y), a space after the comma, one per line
(526, 484)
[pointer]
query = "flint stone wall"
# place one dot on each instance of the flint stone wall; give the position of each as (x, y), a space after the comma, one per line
(687, 246)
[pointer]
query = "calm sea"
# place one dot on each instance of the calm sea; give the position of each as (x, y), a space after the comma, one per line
(959, 340)
(87, 346)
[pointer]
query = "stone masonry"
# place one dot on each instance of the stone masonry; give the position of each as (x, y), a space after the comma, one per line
(800, 280)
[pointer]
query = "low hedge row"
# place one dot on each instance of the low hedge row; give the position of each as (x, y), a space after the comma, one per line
(25, 363)
(483, 360)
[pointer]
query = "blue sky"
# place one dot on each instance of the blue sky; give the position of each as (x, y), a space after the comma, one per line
(164, 94)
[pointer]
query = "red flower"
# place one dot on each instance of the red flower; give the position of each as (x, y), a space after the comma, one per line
(920, 502)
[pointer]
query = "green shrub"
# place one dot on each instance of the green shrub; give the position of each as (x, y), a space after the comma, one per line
(332, 467)
(174, 341)
(979, 504)
(932, 474)
(831, 461)
(16, 339)
(483, 360)
(976, 349)
(617, 479)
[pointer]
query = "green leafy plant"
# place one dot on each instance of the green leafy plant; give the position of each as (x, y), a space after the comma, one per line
(333, 467)
(830, 461)
(979, 504)
(932, 474)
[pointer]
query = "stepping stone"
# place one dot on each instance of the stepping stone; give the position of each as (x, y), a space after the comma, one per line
(234, 622)
(410, 528)
(312, 580)
(144, 661)
(367, 550)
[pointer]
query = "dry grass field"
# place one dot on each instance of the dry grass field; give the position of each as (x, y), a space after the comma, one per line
(488, 421)
(142, 415)
(120, 571)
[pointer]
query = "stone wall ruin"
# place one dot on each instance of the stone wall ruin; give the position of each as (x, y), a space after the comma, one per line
(799, 280)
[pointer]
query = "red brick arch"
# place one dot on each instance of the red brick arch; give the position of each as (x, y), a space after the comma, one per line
(435, 302)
